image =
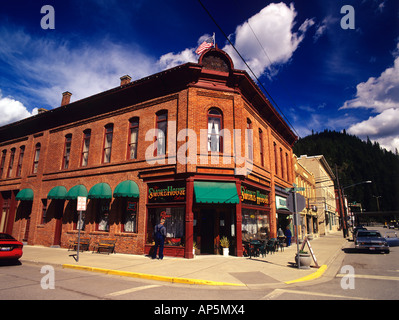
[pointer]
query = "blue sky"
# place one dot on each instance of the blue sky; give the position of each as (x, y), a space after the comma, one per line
(320, 75)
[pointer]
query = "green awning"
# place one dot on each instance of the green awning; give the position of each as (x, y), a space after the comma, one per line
(215, 192)
(76, 191)
(25, 195)
(58, 192)
(127, 189)
(100, 191)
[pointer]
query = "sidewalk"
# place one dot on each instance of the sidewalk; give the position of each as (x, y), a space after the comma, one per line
(274, 269)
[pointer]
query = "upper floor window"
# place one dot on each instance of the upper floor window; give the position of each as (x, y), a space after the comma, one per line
(215, 122)
(20, 160)
(109, 131)
(85, 148)
(261, 147)
(67, 151)
(162, 126)
(2, 163)
(133, 137)
(275, 158)
(36, 158)
(250, 140)
(11, 164)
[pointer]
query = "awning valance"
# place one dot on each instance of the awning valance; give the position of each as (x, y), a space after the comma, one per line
(100, 191)
(215, 192)
(127, 189)
(25, 195)
(58, 192)
(76, 191)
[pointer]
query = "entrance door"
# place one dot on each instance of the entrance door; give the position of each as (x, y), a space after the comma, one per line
(207, 231)
(3, 216)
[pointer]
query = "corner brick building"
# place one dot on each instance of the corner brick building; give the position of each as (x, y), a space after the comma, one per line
(173, 145)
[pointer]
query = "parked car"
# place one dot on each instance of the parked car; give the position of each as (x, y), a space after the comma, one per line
(10, 248)
(371, 240)
(355, 230)
(392, 238)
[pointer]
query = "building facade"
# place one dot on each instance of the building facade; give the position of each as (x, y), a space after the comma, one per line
(198, 144)
(327, 214)
(305, 179)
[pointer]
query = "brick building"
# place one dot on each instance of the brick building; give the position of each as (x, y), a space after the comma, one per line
(174, 145)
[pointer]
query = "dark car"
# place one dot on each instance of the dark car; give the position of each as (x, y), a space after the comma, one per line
(371, 240)
(355, 230)
(10, 248)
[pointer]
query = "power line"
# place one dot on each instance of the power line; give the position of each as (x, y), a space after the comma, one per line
(249, 68)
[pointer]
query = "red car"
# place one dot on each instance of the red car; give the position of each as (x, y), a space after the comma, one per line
(10, 248)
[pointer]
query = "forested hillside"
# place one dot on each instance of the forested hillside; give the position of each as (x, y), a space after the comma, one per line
(358, 161)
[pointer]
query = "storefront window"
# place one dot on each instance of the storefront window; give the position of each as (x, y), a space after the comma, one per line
(103, 216)
(130, 217)
(174, 224)
(255, 224)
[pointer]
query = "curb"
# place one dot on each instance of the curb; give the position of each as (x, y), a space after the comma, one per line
(312, 276)
(151, 277)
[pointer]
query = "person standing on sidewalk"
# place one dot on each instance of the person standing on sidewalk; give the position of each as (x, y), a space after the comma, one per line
(159, 235)
(288, 235)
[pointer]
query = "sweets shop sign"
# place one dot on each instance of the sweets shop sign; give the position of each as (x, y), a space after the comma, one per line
(254, 196)
(167, 192)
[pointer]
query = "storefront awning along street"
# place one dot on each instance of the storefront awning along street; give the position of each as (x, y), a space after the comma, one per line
(100, 191)
(76, 191)
(215, 192)
(58, 192)
(25, 195)
(127, 189)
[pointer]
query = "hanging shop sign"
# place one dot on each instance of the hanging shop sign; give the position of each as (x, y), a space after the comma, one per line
(254, 196)
(167, 192)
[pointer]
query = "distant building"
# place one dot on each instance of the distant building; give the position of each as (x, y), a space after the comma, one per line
(309, 219)
(173, 145)
(327, 215)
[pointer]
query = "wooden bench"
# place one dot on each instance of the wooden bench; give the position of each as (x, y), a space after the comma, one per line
(84, 244)
(105, 245)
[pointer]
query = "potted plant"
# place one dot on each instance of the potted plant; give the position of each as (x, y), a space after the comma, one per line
(225, 243)
(304, 259)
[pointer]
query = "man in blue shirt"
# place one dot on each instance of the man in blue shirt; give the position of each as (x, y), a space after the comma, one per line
(159, 237)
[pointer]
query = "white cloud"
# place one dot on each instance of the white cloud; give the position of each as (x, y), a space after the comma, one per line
(383, 128)
(273, 27)
(12, 110)
(381, 95)
(48, 67)
(171, 59)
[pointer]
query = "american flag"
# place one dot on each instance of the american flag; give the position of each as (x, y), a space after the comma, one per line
(208, 43)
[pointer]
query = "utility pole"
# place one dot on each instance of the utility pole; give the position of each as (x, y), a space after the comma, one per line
(341, 209)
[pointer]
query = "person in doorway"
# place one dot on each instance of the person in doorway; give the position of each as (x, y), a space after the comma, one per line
(159, 236)
(288, 235)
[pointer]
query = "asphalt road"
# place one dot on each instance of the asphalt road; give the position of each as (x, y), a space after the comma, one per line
(374, 276)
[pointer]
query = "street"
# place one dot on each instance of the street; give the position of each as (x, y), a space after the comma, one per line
(376, 276)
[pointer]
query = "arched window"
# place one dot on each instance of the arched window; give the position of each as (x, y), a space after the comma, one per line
(162, 126)
(36, 158)
(108, 134)
(250, 140)
(85, 148)
(67, 151)
(20, 160)
(133, 137)
(11, 163)
(215, 124)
